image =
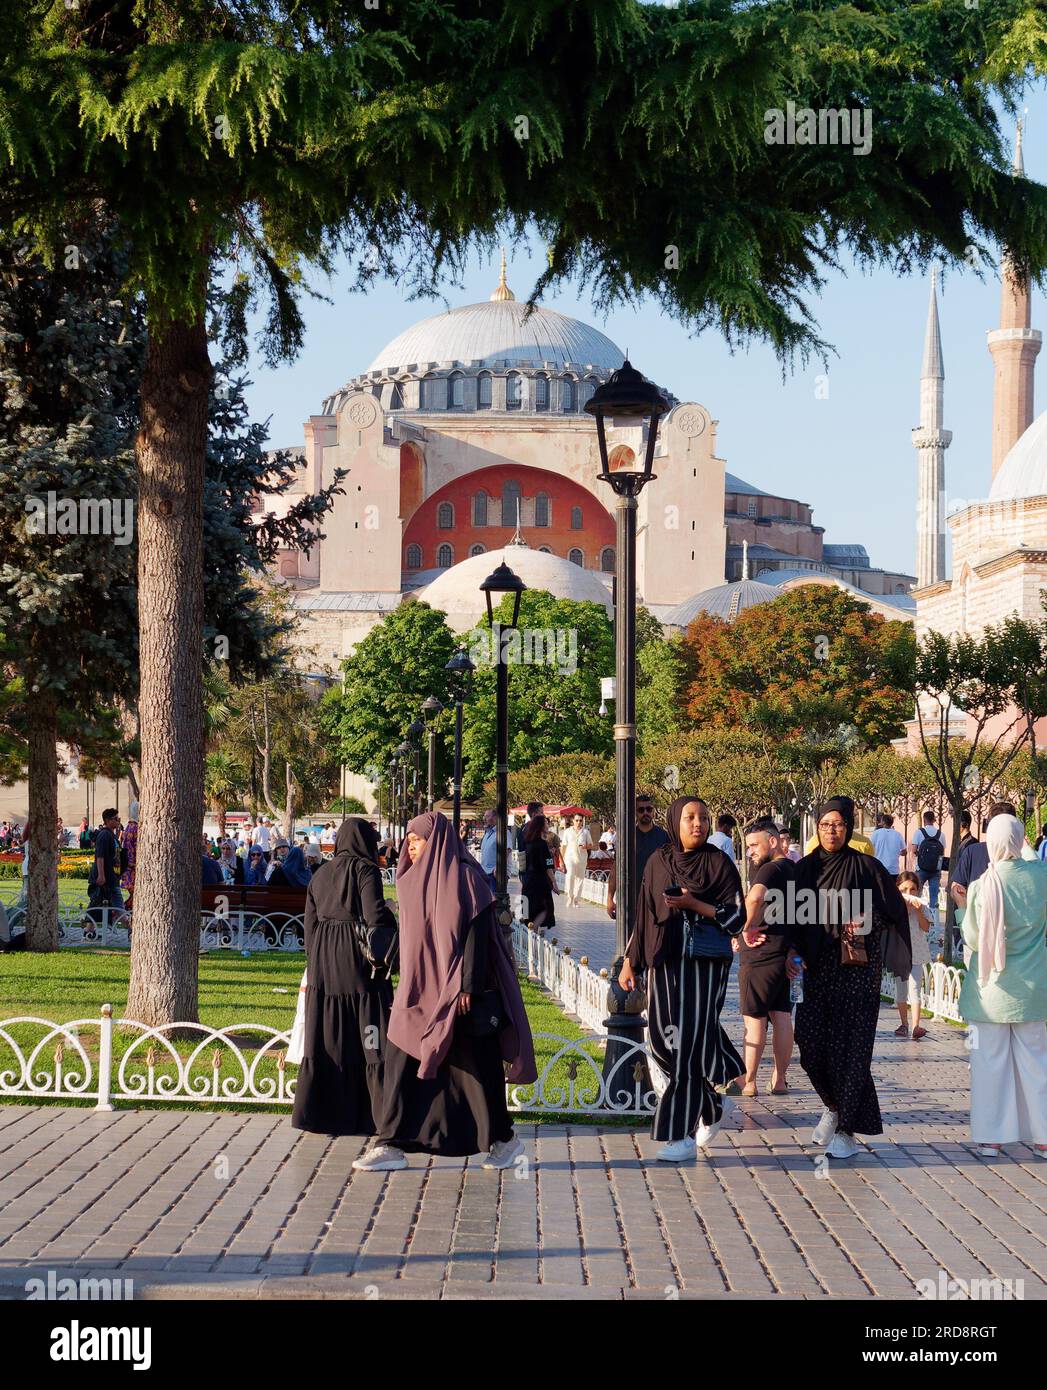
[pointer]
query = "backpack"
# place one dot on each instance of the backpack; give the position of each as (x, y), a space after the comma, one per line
(929, 853)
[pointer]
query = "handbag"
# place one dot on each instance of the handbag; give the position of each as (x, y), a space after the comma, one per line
(486, 1014)
(852, 948)
(705, 939)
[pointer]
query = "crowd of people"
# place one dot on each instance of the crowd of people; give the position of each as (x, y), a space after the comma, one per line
(818, 932)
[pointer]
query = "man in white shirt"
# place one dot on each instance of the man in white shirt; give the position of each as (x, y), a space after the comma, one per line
(722, 837)
(888, 844)
(328, 836)
(261, 837)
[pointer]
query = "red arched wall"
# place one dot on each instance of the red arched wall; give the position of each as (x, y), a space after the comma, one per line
(596, 532)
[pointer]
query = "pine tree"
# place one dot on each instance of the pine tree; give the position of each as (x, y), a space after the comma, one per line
(632, 135)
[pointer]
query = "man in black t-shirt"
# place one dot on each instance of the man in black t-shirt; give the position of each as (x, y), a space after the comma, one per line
(103, 883)
(649, 837)
(763, 949)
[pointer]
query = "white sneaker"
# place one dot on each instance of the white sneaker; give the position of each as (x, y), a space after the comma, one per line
(504, 1153)
(842, 1146)
(380, 1158)
(679, 1152)
(704, 1134)
(826, 1127)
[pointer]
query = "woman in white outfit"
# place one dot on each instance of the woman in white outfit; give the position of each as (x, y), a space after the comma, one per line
(575, 847)
(1004, 994)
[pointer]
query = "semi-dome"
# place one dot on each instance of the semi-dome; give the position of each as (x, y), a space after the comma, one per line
(496, 333)
(1023, 472)
(456, 591)
(724, 601)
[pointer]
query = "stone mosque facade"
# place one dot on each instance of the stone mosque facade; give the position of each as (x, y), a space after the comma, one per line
(468, 433)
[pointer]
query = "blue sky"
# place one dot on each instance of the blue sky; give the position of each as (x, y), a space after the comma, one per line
(850, 455)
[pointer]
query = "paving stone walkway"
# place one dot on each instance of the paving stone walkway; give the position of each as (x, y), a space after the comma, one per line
(221, 1205)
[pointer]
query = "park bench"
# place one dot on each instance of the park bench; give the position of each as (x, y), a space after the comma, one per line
(247, 907)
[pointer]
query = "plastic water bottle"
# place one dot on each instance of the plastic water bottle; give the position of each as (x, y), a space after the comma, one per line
(796, 985)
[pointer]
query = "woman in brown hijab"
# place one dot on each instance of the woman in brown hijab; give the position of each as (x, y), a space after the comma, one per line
(347, 1003)
(458, 1029)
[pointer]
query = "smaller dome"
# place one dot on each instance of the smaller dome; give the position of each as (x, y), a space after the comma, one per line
(725, 601)
(1023, 472)
(456, 591)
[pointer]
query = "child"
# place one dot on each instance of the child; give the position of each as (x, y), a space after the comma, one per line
(907, 991)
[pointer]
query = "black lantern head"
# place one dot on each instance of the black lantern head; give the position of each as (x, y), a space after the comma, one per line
(627, 395)
(415, 731)
(431, 707)
(503, 581)
(459, 669)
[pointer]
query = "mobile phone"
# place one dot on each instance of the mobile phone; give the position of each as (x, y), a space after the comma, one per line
(674, 891)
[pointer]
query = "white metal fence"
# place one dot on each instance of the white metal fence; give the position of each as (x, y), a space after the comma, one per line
(109, 1059)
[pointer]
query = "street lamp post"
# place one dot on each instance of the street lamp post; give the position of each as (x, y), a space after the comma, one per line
(430, 709)
(502, 581)
(403, 753)
(414, 738)
(459, 670)
(630, 397)
(392, 798)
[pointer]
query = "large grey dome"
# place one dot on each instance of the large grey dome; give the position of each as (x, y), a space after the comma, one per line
(499, 333)
(724, 601)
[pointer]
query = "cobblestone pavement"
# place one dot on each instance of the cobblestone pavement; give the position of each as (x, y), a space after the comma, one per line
(210, 1204)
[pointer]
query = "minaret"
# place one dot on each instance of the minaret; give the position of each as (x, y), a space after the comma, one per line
(930, 441)
(1014, 347)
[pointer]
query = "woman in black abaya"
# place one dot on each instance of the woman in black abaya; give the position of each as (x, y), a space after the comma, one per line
(856, 922)
(686, 994)
(347, 1006)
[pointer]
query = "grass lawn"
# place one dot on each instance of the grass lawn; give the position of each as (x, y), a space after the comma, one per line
(261, 989)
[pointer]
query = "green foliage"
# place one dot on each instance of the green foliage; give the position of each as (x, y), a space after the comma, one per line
(814, 665)
(554, 704)
(398, 665)
(565, 779)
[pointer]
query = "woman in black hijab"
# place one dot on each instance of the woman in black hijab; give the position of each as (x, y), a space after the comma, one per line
(347, 1004)
(690, 906)
(851, 921)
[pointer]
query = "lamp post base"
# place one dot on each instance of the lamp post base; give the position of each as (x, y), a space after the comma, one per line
(625, 1070)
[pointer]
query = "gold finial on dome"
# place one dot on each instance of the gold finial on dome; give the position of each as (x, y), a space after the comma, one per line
(503, 293)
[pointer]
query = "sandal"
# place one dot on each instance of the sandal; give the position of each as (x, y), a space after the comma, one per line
(919, 1032)
(749, 1091)
(782, 1090)
(901, 1031)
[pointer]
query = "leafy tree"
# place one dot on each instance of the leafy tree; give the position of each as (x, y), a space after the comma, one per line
(397, 666)
(556, 658)
(659, 699)
(225, 779)
(995, 685)
(267, 135)
(565, 779)
(814, 664)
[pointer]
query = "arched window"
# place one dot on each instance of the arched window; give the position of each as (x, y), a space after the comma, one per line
(456, 392)
(396, 399)
(510, 497)
(477, 549)
(289, 566)
(750, 508)
(545, 550)
(513, 391)
(607, 559)
(576, 557)
(541, 509)
(576, 518)
(568, 395)
(445, 517)
(541, 392)
(483, 382)
(427, 393)
(445, 557)
(414, 557)
(480, 509)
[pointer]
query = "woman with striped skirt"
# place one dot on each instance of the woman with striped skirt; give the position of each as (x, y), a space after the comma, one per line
(690, 905)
